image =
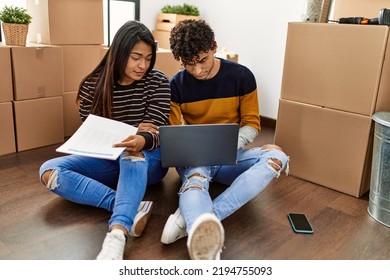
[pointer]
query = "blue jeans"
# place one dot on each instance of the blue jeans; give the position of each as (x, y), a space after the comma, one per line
(245, 180)
(115, 185)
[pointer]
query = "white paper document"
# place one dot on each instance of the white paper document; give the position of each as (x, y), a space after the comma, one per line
(95, 138)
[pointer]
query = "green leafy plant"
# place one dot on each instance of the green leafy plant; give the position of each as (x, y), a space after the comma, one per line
(11, 14)
(184, 9)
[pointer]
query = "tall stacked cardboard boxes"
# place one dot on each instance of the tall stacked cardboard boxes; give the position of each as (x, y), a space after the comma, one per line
(75, 26)
(164, 23)
(7, 134)
(334, 78)
(39, 82)
(37, 95)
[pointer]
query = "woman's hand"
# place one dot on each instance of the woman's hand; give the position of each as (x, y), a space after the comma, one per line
(147, 127)
(133, 144)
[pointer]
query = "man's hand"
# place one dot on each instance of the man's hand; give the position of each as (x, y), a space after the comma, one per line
(147, 127)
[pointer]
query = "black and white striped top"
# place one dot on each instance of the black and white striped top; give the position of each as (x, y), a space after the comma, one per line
(146, 100)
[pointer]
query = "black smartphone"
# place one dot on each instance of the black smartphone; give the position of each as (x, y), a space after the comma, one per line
(300, 223)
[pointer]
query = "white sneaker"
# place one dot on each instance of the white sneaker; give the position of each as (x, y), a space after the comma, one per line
(144, 212)
(113, 246)
(174, 229)
(206, 238)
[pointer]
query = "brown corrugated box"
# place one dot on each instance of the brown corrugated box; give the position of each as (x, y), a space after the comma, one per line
(336, 66)
(37, 72)
(327, 147)
(79, 61)
(66, 21)
(38, 122)
(166, 63)
(72, 120)
(7, 135)
(6, 90)
(383, 96)
(359, 8)
(162, 37)
(166, 21)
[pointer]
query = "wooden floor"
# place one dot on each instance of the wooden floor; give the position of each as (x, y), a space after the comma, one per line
(36, 224)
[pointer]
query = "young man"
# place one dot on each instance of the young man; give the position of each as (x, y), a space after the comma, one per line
(211, 90)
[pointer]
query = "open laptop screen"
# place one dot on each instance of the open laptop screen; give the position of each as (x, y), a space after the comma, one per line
(198, 145)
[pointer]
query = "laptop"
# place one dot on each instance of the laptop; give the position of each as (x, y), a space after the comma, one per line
(198, 144)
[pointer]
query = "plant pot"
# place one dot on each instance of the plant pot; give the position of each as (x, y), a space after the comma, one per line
(15, 34)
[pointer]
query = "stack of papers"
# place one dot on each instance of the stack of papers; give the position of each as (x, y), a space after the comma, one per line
(95, 138)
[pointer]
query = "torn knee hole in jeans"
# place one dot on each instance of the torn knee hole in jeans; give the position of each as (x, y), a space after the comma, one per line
(186, 188)
(193, 185)
(270, 147)
(134, 157)
(275, 164)
(200, 176)
(52, 181)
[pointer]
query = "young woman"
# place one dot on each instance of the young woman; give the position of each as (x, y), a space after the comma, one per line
(124, 87)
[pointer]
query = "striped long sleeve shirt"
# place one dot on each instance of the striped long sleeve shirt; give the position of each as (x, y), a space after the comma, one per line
(146, 100)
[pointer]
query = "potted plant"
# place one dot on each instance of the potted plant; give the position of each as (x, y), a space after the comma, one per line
(170, 15)
(184, 9)
(15, 21)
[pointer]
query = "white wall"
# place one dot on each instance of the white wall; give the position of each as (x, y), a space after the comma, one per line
(15, 3)
(255, 29)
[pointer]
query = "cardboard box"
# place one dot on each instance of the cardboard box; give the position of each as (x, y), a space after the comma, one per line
(37, 72)
(167, 63)
(7, 135)
(79, 61)
(39, 122)
(359, 8)
(328, 147)
(383, 96)
(337, 66)
(72, 120)
(232, 57)
(65, 22)
(162, 37)
(166, 21)
(6, 90)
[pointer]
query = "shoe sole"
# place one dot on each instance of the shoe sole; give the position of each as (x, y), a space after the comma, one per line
(141, 219)
(165, 237)
(206, 239)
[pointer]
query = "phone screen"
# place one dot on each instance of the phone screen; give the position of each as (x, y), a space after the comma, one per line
(300, 223)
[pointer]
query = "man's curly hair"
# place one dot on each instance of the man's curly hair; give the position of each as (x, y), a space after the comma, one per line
(189, 38)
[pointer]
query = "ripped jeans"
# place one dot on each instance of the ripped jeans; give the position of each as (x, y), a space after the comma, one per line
(115, 185)
(251, 174)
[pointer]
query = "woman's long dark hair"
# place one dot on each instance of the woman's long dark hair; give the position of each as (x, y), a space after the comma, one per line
(112, 67)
